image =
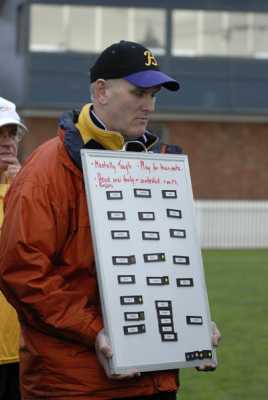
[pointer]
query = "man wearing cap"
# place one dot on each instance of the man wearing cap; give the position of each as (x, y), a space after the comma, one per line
(47, 262)
(11, 130)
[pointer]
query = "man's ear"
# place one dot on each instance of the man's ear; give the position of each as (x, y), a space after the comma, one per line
(101, 91)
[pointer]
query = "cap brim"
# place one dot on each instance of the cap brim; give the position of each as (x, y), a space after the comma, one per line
(8, 121)
(150, 78)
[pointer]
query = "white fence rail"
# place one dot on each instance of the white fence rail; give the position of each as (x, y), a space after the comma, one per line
(232, 224)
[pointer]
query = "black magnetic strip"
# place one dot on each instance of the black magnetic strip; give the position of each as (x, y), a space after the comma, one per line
(116, 215)
(163, 304)
(165, 320)
(154, 257)
(194, 319)
(207, 353)
(150, 235)
(114, 195)
(146, 215)
(134, 329)
(192, 355)
(181, 260)
(124, 260)
(157, 280)
(120, 235)
(169, 194)
(164, 312)
(198, 355)
(145, 193)
(169, 337)
(172, 213)
(129, 300)
(126, 279)
(177, 233)
(134, 316)
(166, 328)
(185, 282)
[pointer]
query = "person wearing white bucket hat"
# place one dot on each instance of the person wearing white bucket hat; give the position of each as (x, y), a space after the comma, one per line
(11, 132)
(9, 115)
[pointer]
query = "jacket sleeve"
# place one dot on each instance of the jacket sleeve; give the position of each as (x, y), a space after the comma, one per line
(33, 274)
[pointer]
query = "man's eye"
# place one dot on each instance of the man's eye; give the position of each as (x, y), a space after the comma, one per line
(139, 93)
(142, 93)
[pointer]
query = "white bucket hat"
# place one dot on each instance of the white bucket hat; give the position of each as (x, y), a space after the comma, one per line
(8, 114)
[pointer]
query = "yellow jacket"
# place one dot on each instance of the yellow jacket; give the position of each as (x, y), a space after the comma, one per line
(9, 325)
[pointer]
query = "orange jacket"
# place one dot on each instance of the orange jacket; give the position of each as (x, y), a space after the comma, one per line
(47, 272)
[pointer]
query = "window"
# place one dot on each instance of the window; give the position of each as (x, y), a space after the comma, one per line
(46, 39)
(212, 33)
(219, 33)
(68, 28)
(260, 34)
(185, 32)
(114, 25)
(150, 29)
(80, 28)
(90, 29)
(237, 33)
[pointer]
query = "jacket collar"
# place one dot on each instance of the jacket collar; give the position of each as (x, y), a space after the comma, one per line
(80, 130)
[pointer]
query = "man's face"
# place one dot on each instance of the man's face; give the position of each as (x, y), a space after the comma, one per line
(8, 142)
(128, 107)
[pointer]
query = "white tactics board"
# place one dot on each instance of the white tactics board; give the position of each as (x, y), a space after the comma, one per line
(148, 260)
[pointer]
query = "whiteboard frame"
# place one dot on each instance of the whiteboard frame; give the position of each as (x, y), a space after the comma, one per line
(101, 154)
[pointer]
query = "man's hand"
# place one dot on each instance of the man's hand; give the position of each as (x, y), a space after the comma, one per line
(216, 335)
(215, 339)
(9, 167)
(104, 353)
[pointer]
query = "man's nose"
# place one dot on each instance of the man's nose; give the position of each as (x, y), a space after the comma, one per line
(149, 103)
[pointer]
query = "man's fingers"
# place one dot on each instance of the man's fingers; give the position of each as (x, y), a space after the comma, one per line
(216, 335)
(215, 339)
(104, 352)
(127, 375)
(12, 170)
(10, 160)
(207, 367)
(103, 345)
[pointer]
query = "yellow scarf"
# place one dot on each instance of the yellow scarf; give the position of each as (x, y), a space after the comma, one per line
(110, 140)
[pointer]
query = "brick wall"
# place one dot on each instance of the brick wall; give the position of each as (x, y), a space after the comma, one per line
(227, 160)
(40, 130)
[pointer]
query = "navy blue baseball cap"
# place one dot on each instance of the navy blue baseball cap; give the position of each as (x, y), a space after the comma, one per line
(133, 62)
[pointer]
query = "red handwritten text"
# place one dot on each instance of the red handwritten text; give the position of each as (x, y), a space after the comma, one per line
(104, 181)
(105, 165)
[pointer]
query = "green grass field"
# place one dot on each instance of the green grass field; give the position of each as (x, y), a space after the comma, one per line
(237, 282)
